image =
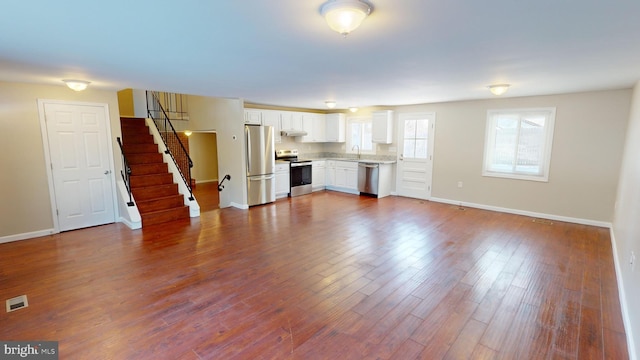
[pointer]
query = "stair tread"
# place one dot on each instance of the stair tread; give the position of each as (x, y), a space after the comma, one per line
(160, 198)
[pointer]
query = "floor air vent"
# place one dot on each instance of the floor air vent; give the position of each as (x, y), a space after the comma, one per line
(543, 221)
(17, 303)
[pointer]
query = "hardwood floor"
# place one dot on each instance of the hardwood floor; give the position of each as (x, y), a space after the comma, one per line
(207, 196)
(322, 276)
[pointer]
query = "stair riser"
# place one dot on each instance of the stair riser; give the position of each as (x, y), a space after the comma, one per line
(148, 158)
(165, 216)
(160, 204)
(148, 169)
(152, 192)
(140, 148)
(150, 180)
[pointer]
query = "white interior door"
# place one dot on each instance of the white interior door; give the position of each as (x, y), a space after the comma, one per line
(78, 141)
(415, 155)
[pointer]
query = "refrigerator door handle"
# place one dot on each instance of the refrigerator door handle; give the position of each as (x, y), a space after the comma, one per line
(248, 140)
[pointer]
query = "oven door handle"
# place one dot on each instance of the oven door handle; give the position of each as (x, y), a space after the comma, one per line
(300, 164)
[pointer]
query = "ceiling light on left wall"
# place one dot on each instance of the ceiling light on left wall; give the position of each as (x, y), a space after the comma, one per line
(76, 85)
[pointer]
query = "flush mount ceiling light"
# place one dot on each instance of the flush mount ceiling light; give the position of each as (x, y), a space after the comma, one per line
(353, 109)
(76, 85)
(330, 104)
(188, 132)
(344, 16)
(498, 89)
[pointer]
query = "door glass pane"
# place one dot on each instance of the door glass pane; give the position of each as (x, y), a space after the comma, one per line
(421, 149)
(409, 129)
(422, 129)
(409, 148)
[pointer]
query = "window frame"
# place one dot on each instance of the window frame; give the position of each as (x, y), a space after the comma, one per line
(349, 145)
(490, 134)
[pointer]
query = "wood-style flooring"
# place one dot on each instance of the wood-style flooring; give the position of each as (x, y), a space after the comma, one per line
(322, 276)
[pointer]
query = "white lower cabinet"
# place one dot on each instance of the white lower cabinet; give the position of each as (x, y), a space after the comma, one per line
(318, 175)
(282, 180)
(342, 176)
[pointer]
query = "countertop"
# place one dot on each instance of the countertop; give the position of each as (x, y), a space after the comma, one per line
(370, 161)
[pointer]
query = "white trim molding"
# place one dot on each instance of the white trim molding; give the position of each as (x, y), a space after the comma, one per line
(623, 299)
(29, 235)
(524, 212)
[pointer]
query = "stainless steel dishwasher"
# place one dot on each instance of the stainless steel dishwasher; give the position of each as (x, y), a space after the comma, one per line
(368, 178)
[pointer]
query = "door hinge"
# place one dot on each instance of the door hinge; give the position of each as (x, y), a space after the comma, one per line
(57, 212)
(51, 164)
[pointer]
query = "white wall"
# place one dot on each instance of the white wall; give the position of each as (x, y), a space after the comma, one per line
(587, 151)
(626, 224)
(226, 117)
(24, 193)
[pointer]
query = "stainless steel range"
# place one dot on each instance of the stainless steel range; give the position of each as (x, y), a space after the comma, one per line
(299, 172)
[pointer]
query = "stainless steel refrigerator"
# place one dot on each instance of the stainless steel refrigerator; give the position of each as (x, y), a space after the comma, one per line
(261, 163)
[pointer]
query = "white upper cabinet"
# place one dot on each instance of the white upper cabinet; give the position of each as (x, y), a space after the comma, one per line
(314, 125)
(272, 118)
(382, 123)
(290, 120)
(335, 128)
(252, 116)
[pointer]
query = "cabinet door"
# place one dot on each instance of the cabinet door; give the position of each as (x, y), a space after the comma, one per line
(330, 176)
(351, 181)
(290, 120)
(335, 127)
(272, 118)
(253, 116)
(282, 183)
(341, 177)
(318, 174)
(314, 125)
(382, 127)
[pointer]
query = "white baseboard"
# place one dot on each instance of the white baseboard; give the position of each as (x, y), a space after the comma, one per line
(525, 213)
(29, 235)
(240, 206)
(623, 299)
(131, 225)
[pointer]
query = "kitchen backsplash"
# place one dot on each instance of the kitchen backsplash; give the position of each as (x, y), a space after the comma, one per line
(333, 155)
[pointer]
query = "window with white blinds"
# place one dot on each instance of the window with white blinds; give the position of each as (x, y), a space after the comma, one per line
(518, 143)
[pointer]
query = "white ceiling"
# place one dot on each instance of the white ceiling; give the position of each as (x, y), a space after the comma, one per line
(283, 53)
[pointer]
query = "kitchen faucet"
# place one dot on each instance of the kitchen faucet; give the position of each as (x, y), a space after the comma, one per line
(356, 146)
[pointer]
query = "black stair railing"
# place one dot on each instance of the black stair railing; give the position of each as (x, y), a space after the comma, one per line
(220, 186)
(174, 146)
(126, 173)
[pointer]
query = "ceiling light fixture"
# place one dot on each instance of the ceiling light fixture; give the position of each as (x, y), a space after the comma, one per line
(330, 104)
(188, 132)
(76, 85)
(353, 108)
(344, 16)
(498, 89)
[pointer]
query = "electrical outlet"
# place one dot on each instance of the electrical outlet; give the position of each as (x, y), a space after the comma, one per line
(459, 184)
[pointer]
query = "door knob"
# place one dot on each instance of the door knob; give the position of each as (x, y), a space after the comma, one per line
(107, 172)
